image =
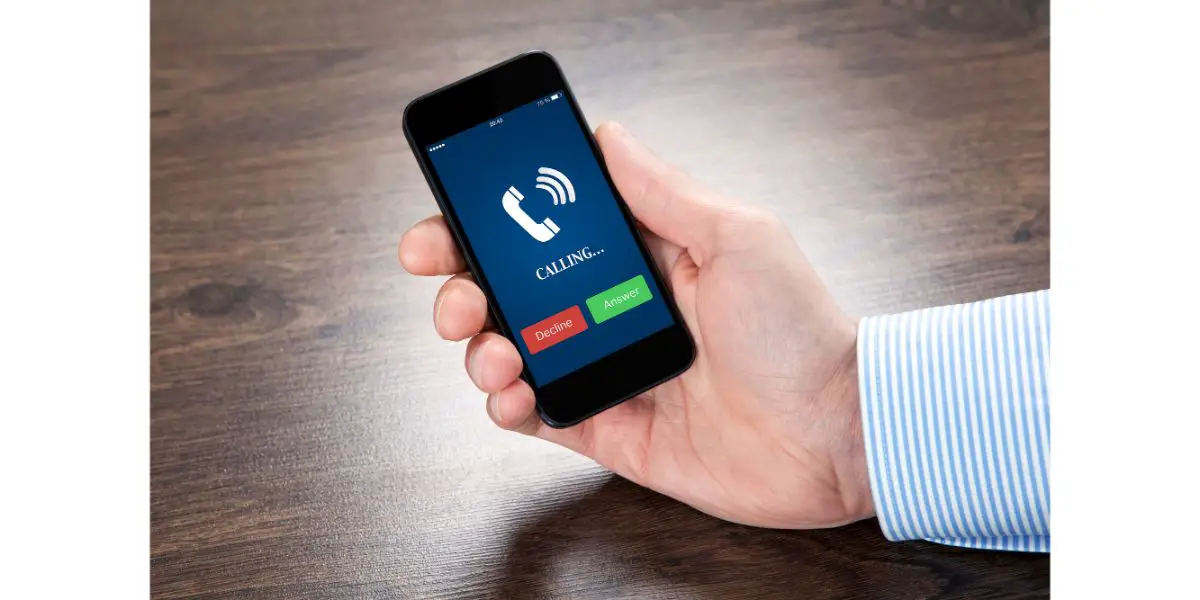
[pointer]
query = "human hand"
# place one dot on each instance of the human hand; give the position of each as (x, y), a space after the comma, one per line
(764, 428)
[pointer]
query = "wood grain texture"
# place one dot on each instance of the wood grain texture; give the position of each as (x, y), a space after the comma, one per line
(312, 438)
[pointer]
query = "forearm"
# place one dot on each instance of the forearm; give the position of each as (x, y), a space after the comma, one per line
(955, 414)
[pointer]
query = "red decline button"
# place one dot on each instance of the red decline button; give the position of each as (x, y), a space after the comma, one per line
(552, 330)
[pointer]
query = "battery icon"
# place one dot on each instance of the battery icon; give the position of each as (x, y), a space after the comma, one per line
(554, 97)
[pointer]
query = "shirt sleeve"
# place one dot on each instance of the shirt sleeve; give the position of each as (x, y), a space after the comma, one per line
(956, 422)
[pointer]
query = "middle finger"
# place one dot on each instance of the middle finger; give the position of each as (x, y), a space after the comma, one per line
(460, 309)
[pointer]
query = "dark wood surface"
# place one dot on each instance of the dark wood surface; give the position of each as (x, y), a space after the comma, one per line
(312, 437)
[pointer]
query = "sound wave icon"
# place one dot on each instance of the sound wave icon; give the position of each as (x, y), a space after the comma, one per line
(561, 191)
(556, 184)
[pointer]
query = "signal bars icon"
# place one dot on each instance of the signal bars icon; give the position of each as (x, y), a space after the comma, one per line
(436, 147)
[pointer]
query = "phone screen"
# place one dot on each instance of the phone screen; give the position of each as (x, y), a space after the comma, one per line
(565, 270)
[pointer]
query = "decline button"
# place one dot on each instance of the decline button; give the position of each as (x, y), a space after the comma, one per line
(552, 330)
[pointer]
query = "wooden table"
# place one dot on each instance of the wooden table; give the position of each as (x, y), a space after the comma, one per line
(313, 438)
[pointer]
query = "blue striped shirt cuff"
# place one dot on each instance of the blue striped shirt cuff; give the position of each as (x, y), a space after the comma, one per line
(956, 419)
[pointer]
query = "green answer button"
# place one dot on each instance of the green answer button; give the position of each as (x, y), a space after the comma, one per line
(618, 299)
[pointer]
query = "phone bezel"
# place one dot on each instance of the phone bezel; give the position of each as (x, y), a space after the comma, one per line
(495, 91)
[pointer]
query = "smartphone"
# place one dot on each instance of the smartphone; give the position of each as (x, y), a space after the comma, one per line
(568, 279)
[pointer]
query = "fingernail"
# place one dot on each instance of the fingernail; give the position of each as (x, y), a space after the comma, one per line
(405, 258)
(494, 408)
(437, 309)
(473, 363)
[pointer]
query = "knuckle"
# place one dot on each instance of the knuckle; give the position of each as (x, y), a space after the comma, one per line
(742, 223)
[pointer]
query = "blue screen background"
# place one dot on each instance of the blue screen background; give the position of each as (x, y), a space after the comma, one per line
(478, 165)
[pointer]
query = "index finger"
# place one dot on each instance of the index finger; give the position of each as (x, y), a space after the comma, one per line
(428, 248)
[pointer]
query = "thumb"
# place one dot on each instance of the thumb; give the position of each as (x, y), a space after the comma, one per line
(662, 197)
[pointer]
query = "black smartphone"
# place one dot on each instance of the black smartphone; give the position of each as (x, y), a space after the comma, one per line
(523, 186)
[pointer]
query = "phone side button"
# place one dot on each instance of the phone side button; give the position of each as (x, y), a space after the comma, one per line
(554, 329)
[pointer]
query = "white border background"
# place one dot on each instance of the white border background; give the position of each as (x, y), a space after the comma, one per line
(74, 242)
(1125, 216)
(74, 292)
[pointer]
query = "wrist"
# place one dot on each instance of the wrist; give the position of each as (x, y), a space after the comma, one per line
(850, 457)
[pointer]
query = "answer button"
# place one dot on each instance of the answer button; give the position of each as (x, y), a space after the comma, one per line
(619, 299)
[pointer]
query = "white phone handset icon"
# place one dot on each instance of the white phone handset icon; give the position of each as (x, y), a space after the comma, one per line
(541, 232)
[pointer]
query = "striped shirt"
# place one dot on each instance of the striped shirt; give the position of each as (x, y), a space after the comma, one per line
(956, 419)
